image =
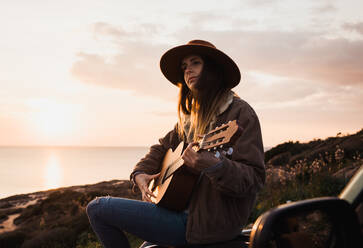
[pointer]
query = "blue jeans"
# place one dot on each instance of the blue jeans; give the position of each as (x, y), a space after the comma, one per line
(110, 216)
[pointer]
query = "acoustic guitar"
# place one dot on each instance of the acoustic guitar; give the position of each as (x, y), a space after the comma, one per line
(174, 186)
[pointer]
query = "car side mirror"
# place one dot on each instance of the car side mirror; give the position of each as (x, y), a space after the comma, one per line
(320, 222)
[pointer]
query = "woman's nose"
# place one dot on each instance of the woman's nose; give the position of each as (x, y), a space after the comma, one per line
(188, 69)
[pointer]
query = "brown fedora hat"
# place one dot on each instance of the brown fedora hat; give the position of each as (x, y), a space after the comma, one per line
(170, 62)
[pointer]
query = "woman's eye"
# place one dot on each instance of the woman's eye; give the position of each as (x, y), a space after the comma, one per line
(195, 62)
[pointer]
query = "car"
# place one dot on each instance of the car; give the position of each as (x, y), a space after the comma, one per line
(318, 222)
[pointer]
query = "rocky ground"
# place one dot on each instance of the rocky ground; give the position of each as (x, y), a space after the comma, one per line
(27, 212)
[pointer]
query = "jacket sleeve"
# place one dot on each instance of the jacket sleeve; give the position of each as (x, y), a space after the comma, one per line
(244, 172)
(151, 162)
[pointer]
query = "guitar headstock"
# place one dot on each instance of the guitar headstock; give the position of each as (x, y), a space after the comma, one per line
(221, 136)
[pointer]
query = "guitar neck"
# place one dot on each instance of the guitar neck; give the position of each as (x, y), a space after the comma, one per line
(216, 138)
(175, 165)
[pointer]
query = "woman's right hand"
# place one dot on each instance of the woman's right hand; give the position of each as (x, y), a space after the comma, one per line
(143, 180)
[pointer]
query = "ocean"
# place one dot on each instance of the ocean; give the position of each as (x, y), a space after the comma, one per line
(30, 169)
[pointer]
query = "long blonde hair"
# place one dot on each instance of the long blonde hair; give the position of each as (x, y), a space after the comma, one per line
(202, 105)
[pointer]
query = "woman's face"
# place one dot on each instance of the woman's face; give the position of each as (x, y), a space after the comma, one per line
(192, 66)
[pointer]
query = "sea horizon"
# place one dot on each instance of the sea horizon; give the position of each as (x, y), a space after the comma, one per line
(28, 169)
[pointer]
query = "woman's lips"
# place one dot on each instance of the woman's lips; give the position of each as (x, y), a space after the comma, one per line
(192, 79)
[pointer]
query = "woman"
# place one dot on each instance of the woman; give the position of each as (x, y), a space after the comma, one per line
(226, 190)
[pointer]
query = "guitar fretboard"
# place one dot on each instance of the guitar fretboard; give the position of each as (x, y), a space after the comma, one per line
(213, 139)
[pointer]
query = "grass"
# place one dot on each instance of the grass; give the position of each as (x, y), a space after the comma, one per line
(323, 176)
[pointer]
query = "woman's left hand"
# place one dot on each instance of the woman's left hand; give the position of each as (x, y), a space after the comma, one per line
(198, 160)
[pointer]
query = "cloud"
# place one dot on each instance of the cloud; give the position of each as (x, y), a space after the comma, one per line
(124, 73)
(298, 95)
(357, 27)
(302, 110)
(300, 55)
(102, 28)
(259, 3)
(323, 9)
(120, 33)
(134, 68)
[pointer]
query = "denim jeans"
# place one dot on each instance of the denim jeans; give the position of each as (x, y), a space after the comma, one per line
(110, 216)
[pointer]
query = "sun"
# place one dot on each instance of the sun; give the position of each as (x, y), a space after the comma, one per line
(52, 119)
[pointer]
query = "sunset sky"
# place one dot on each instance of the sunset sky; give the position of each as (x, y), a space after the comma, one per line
(86, 72)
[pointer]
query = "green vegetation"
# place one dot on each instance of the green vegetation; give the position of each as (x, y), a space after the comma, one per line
(60, 219)
(298, 171)
(295, 171)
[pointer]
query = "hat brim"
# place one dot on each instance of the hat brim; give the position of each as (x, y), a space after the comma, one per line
(170, 63)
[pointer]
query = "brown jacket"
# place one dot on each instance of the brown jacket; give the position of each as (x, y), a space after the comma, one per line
(224, 197)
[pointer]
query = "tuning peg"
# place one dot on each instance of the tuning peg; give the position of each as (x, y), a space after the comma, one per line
(221, 146)
(215, 148)
(217, 154)
(230, 151)
(208, 149)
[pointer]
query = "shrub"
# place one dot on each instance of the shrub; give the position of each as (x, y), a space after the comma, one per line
(12, 239)
(57, 237)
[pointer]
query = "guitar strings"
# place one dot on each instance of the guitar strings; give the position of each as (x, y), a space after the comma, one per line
(171, 170)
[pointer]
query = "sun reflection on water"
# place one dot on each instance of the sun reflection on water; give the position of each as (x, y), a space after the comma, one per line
(52, 173)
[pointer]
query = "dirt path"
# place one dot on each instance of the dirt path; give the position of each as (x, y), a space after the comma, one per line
(9, 223)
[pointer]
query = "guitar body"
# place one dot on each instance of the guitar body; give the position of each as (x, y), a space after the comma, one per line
(174, 191)
(175, 184)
